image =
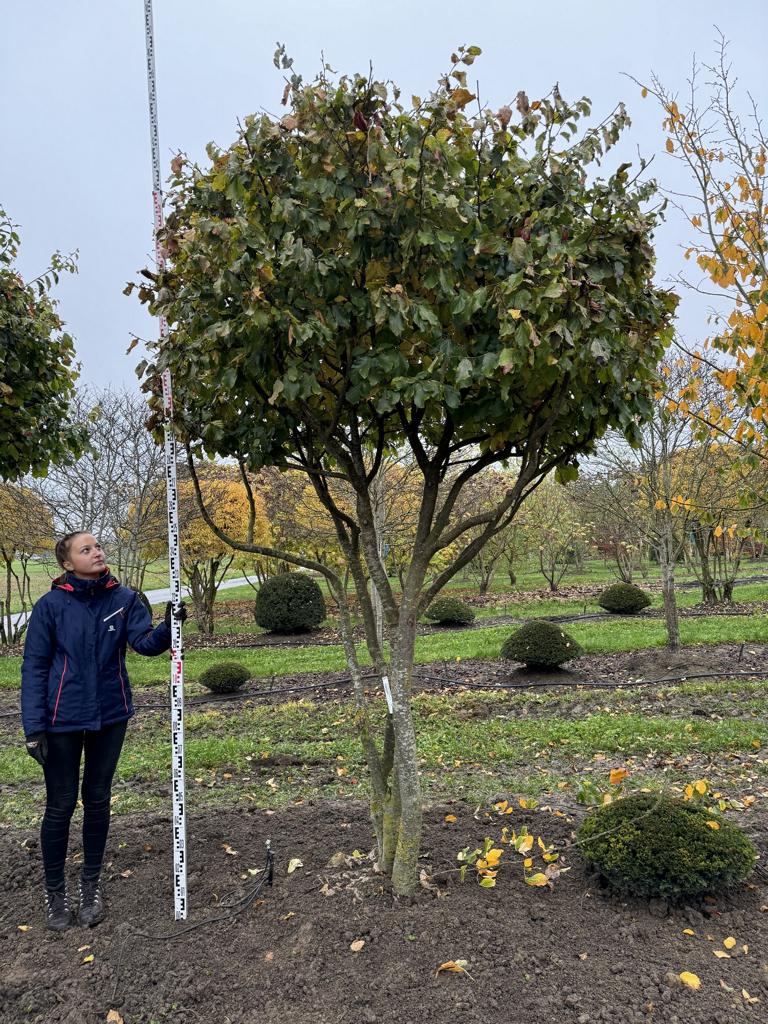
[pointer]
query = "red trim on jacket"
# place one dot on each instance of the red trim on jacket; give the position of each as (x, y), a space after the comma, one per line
(61, 683)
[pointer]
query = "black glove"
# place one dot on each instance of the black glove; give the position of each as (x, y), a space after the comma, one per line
(181, 614)
(37, 747)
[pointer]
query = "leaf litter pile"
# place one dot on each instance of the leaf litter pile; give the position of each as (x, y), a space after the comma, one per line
(528, 927)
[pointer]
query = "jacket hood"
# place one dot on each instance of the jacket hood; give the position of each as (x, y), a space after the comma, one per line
(68, 581)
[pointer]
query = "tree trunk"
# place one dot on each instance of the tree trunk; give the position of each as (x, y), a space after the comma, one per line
(667, 565)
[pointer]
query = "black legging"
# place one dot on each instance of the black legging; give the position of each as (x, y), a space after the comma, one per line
(62, 775)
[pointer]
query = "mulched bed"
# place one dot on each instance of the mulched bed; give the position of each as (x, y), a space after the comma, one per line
(572, 955)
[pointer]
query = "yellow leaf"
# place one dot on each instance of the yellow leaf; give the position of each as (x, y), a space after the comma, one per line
(670, 146)
(718, 531)
(528, 862)
(539, 879)
(730, 942)
(660, 504)
(515, 314)
(113, 1017)
(293, 864)
(457, 966)
(493, 856)
(524, 844)
(501, 806)
(618, 775)
(88, 959)
(701, 786)
(691, 980)
(714, 825)
(24, 927)
(688, 931)
(748, 998)
(450, 818)
(643, 92)
(721, 955)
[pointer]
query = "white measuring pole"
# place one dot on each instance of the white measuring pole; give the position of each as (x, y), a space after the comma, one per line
(177, 654)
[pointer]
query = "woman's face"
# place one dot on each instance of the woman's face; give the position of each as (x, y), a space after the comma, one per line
(86, 557)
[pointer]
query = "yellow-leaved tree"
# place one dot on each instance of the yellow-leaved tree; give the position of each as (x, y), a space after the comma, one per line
(722, 145)
(205, 558)
(26, 531)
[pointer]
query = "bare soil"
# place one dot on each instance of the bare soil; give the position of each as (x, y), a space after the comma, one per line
(573, 955)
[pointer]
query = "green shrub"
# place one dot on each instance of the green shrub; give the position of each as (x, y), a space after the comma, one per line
(540, 644)
(225, 677)
(649, 846)
(450, 611)
(624, 599)
(289, 603)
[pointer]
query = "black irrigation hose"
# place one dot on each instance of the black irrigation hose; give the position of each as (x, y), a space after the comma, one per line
(231, 912)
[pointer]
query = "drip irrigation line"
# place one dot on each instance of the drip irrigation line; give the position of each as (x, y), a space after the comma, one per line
(250, 896)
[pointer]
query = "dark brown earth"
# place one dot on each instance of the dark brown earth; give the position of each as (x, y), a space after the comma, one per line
(572, 955)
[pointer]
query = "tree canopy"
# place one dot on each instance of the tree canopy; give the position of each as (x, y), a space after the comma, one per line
(37, 367)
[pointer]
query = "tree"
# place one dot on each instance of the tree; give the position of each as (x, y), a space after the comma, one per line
(361, 279)
(26, 531)
(205, 557)
(486, 491)
(724, 152)
(554, 528)
(658, 486)
(112, 489)
(37, 366)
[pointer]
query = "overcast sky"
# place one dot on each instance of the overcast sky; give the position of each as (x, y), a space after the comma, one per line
(75, 166)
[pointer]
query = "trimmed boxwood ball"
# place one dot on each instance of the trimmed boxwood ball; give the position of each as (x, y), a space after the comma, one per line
(540, 644)
(668, 849)
(450, 611)
(225, 677)
(624, 599)
(289, 603)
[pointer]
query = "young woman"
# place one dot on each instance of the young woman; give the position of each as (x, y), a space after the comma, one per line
(75, 698)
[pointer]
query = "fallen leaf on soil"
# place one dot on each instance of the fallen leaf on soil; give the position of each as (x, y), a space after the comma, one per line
(748, 997)
(88, 959)
(357, 945)
(269, 956)
(583, 956)
(126, 874)
(730, 942)
(450, 818)
(24, 927)
(617, 775)
(294, 863)
(691, 980)
(228, 849)
(457, 966)
(688, 931)
(539, 879)
(113, 1017)
(82, 949)
(728, 988)
(272, 784)
(255, 871)
(721, 955)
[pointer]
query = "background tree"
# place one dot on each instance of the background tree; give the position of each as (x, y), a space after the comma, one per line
(112, 489)
(555, 531)
(363, 278)
(205, 557)
(26, 532)
(720, 141)
(37, 366)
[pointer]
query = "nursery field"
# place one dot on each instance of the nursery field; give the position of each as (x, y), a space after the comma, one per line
(499, 747)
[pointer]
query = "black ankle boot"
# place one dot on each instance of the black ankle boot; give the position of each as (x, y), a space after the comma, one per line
(58, 916)
(92, 908)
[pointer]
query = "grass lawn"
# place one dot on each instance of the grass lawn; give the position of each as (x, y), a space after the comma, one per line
(471, 746)
(600, 637)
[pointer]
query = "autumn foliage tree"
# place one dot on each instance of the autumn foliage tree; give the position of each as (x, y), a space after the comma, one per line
(26, 530)
(366, 277)
(720, 141)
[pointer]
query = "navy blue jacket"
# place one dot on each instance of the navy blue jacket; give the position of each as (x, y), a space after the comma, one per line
(73, 674)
